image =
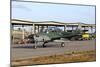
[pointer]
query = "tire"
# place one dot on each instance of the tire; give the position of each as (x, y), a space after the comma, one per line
(35, 47)
(62, 44)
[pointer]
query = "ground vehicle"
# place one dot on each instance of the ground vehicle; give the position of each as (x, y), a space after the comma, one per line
(85, 36)
(88, 36)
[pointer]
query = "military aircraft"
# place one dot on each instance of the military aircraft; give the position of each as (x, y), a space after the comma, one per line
(54, 34)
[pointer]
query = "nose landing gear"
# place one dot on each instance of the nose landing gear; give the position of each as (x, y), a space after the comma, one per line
(62, 44)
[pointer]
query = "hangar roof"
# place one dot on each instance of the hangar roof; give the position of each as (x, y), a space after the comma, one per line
(49, 23)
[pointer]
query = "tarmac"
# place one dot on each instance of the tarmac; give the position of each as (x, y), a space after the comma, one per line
(21, 51)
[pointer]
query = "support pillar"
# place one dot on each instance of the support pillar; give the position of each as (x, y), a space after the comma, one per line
(94, 29)
(23, 32)
(33, 29)
(42, 28)
(38, 29)
(79, 26)
(72, 28)
(84, 29)
(91, 29)
(47, 27)
(65, 28)
(12, 36)
(88, 28)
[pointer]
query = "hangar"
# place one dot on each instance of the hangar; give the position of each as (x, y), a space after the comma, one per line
(39, 26)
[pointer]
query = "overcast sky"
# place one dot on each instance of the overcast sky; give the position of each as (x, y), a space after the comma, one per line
(53, 12)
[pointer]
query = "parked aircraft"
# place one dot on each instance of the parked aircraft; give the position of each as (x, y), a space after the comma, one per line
(54, 34)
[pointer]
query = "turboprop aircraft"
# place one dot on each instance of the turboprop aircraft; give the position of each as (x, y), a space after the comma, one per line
(54, 34)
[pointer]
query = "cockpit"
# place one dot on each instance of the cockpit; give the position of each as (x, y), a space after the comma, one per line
(52, 29)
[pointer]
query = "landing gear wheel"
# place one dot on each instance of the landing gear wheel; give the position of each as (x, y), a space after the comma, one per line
(62, 44)
(35, 47)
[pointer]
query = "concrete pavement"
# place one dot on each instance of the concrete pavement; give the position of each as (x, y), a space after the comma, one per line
(26, 51)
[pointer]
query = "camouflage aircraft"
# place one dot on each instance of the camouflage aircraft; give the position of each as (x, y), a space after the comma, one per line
(54, 34)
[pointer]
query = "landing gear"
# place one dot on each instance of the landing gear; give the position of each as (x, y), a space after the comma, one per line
(62, 44)
(43, 44)
(35, 46)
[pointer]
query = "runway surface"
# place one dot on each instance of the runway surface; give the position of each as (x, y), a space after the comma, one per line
(20, 51)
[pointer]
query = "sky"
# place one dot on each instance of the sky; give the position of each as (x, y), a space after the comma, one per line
(53, 12)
